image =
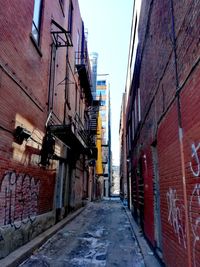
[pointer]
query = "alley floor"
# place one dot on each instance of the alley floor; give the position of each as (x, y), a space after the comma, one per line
(100, 236)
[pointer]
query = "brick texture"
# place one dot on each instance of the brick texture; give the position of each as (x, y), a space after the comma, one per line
(28, 190)
(161, 122)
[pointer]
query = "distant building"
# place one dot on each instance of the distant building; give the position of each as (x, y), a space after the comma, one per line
(94, 64)
(123, 159)
(102, 94)
(115, 186)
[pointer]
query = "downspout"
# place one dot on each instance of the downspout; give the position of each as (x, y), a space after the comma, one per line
(66, 88)
(181, 138)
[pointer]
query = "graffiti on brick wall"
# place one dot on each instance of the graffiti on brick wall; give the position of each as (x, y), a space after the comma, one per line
(195, 219)
(194, 205)
(195, 163)
(18, 199)
(176, 213)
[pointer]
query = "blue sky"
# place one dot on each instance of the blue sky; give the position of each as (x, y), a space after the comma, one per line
(109, 24)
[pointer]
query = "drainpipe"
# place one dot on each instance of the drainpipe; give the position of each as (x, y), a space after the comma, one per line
(181, 139)
(66, 88)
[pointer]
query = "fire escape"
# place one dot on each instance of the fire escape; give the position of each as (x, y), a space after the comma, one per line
(83, 70)
(79, 136)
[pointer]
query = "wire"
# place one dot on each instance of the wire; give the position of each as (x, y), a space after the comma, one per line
(5, 129)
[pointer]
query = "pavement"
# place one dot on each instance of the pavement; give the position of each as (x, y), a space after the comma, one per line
(99, 234)
(23, 252)
(150, 259)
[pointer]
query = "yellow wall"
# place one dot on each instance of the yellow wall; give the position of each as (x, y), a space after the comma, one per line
(99, 165)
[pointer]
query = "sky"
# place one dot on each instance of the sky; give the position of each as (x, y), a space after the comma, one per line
(108, 23)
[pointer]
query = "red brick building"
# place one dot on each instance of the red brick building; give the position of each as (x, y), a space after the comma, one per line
(46, 142)
(162, 127)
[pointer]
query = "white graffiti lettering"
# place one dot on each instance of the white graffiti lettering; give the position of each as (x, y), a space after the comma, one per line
(196, 158)
(175, 216)
(19, 199)
(195, 221)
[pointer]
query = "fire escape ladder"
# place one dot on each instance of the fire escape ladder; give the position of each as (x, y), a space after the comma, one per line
(83, 70)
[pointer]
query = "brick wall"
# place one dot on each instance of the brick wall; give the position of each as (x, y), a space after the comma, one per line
(161, 122)
(23, 94)
(27, 189)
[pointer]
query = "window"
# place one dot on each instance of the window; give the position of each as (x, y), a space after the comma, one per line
(102, 82)
(70, 17)
(100, 92)
(36, 20)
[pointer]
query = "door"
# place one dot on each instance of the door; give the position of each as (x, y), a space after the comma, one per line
(59, 190)
(157, 215)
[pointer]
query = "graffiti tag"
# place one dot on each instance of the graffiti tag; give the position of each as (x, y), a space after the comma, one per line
(19, 199)
(195, 156)
(195, 221)
(175, 216)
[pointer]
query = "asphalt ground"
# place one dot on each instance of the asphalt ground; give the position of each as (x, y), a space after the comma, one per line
(101, 234)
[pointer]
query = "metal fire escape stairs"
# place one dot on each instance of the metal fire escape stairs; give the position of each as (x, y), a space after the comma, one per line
(73, 134)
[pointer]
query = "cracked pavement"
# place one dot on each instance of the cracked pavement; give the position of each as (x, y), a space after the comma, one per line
(100, 236)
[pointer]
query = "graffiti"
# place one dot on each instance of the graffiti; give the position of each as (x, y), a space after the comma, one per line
(195, 220)
(18, 199)
(194, 205)
(196, 158)
(175, 216)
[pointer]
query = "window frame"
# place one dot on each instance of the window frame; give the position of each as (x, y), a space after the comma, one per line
(37, 41)
(37, 27)
(70, 17)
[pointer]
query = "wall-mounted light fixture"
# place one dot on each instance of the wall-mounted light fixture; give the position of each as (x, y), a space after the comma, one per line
(21, 134)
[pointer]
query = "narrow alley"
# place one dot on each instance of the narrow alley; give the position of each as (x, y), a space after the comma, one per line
(100, 236)
(100, 133)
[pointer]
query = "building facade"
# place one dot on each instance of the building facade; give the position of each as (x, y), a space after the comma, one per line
(47, 140)
(162, 128)
(123, 160)
(115, 186)
(102, 95)
(94, 65)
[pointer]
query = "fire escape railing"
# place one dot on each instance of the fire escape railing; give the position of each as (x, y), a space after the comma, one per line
(61, 37)
(79, 130)
(83, 69)
(74, 133)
